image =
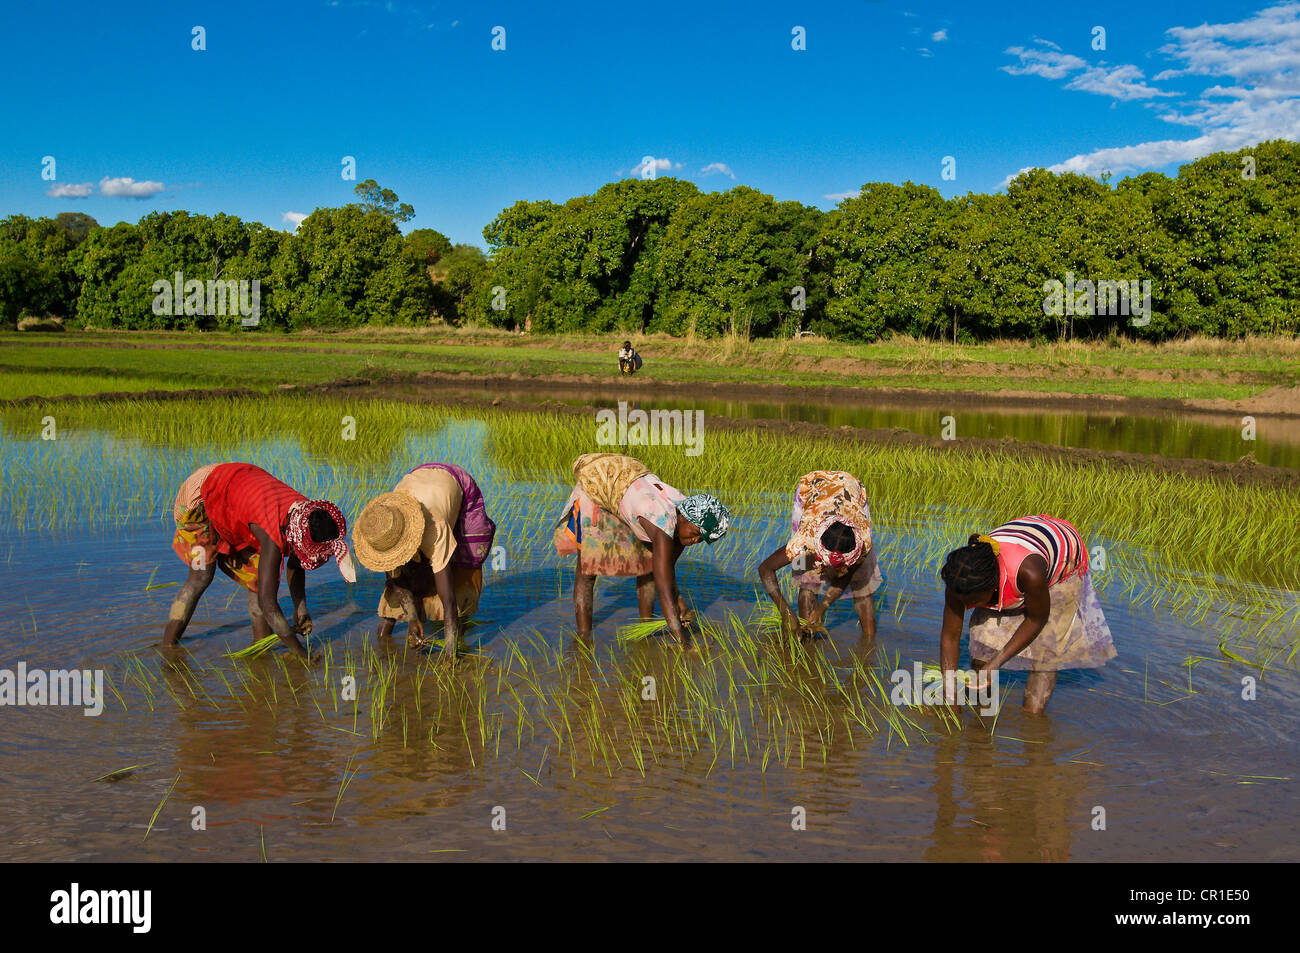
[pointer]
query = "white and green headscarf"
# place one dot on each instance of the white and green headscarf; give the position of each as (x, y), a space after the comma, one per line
(706, 512)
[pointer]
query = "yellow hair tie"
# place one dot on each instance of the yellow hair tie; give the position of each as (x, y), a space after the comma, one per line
(997, 550)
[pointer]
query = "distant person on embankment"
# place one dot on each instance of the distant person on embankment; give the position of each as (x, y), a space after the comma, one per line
(430, 536)
(238, 517)
(629, 361)
(622, 520)
(831, 549)
(1034, 604)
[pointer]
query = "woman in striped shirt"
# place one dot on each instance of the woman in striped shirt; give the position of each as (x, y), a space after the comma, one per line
(1034, 604)
(238, 517)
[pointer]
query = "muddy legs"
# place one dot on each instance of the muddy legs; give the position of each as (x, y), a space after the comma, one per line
(584, 590)
(261, 628)
(1038, 689)
(186, 600)
(645, 596)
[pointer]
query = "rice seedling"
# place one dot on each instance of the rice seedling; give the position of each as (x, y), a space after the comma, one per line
(641, 629)
(158, 810)
(122, 773)
(256, 650)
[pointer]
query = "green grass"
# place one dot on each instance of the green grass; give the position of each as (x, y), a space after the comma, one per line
(14, 384)
(1196, 369)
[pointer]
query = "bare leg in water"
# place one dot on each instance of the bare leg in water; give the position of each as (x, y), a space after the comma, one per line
(186, 601)
(584, 590)
(645, 595)
(1038, 690)
(261, 628)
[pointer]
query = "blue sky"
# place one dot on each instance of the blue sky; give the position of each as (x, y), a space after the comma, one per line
(257, 123)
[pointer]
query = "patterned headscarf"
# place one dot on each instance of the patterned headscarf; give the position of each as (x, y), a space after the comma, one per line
(708, 513)
(311, 553)
(824, 497)
(830, 557)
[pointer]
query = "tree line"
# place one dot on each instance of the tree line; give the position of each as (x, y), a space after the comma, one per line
(1218, 246)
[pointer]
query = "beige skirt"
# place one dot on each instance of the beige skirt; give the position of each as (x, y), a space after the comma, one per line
(1076, 634)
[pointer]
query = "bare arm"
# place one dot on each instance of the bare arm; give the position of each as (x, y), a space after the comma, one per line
(296, 578)
(954, 613)
(268, 590)
(1032, 581)
(450, 613)
(767, 570)
(665, 551)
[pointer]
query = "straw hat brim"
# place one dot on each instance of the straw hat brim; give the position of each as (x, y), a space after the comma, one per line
(407, 545)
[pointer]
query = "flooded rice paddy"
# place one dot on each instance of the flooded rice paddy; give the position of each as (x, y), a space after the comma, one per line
(553, 738)
(1202, 435)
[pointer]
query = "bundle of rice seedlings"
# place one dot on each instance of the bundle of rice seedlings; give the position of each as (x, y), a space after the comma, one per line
(767, 617)
(934, 671)
(641, 629)
(256, 650)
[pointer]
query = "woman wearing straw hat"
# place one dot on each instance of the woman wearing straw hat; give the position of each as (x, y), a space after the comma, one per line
(622, 520)
(238, 517)
(831, 549)
(430, 536)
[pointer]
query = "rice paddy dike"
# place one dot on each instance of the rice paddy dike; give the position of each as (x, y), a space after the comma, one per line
(628, 748)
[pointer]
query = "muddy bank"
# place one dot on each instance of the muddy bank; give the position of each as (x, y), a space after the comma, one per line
(874, 377)
(1278, 401)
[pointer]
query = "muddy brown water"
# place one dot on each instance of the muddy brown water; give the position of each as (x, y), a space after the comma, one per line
(1181, 774)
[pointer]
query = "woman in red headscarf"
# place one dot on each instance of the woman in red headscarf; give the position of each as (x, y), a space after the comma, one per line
(238, 517)
(831, 550)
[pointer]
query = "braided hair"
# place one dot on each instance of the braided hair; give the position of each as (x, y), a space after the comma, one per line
(971, 569)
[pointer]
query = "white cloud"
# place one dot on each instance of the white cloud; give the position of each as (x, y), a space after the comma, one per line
(1124, 83)
(718, 167)
(293, 218)
(841, 196)
(1041, 63)
(127, 187)
(938, 36)
(651, 162)
(1260, 54)
(71, 191)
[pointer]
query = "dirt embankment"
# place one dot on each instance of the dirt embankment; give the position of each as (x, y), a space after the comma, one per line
(853, 380)
(1275, 402)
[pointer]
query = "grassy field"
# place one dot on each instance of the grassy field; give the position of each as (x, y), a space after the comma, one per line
(89, 362)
